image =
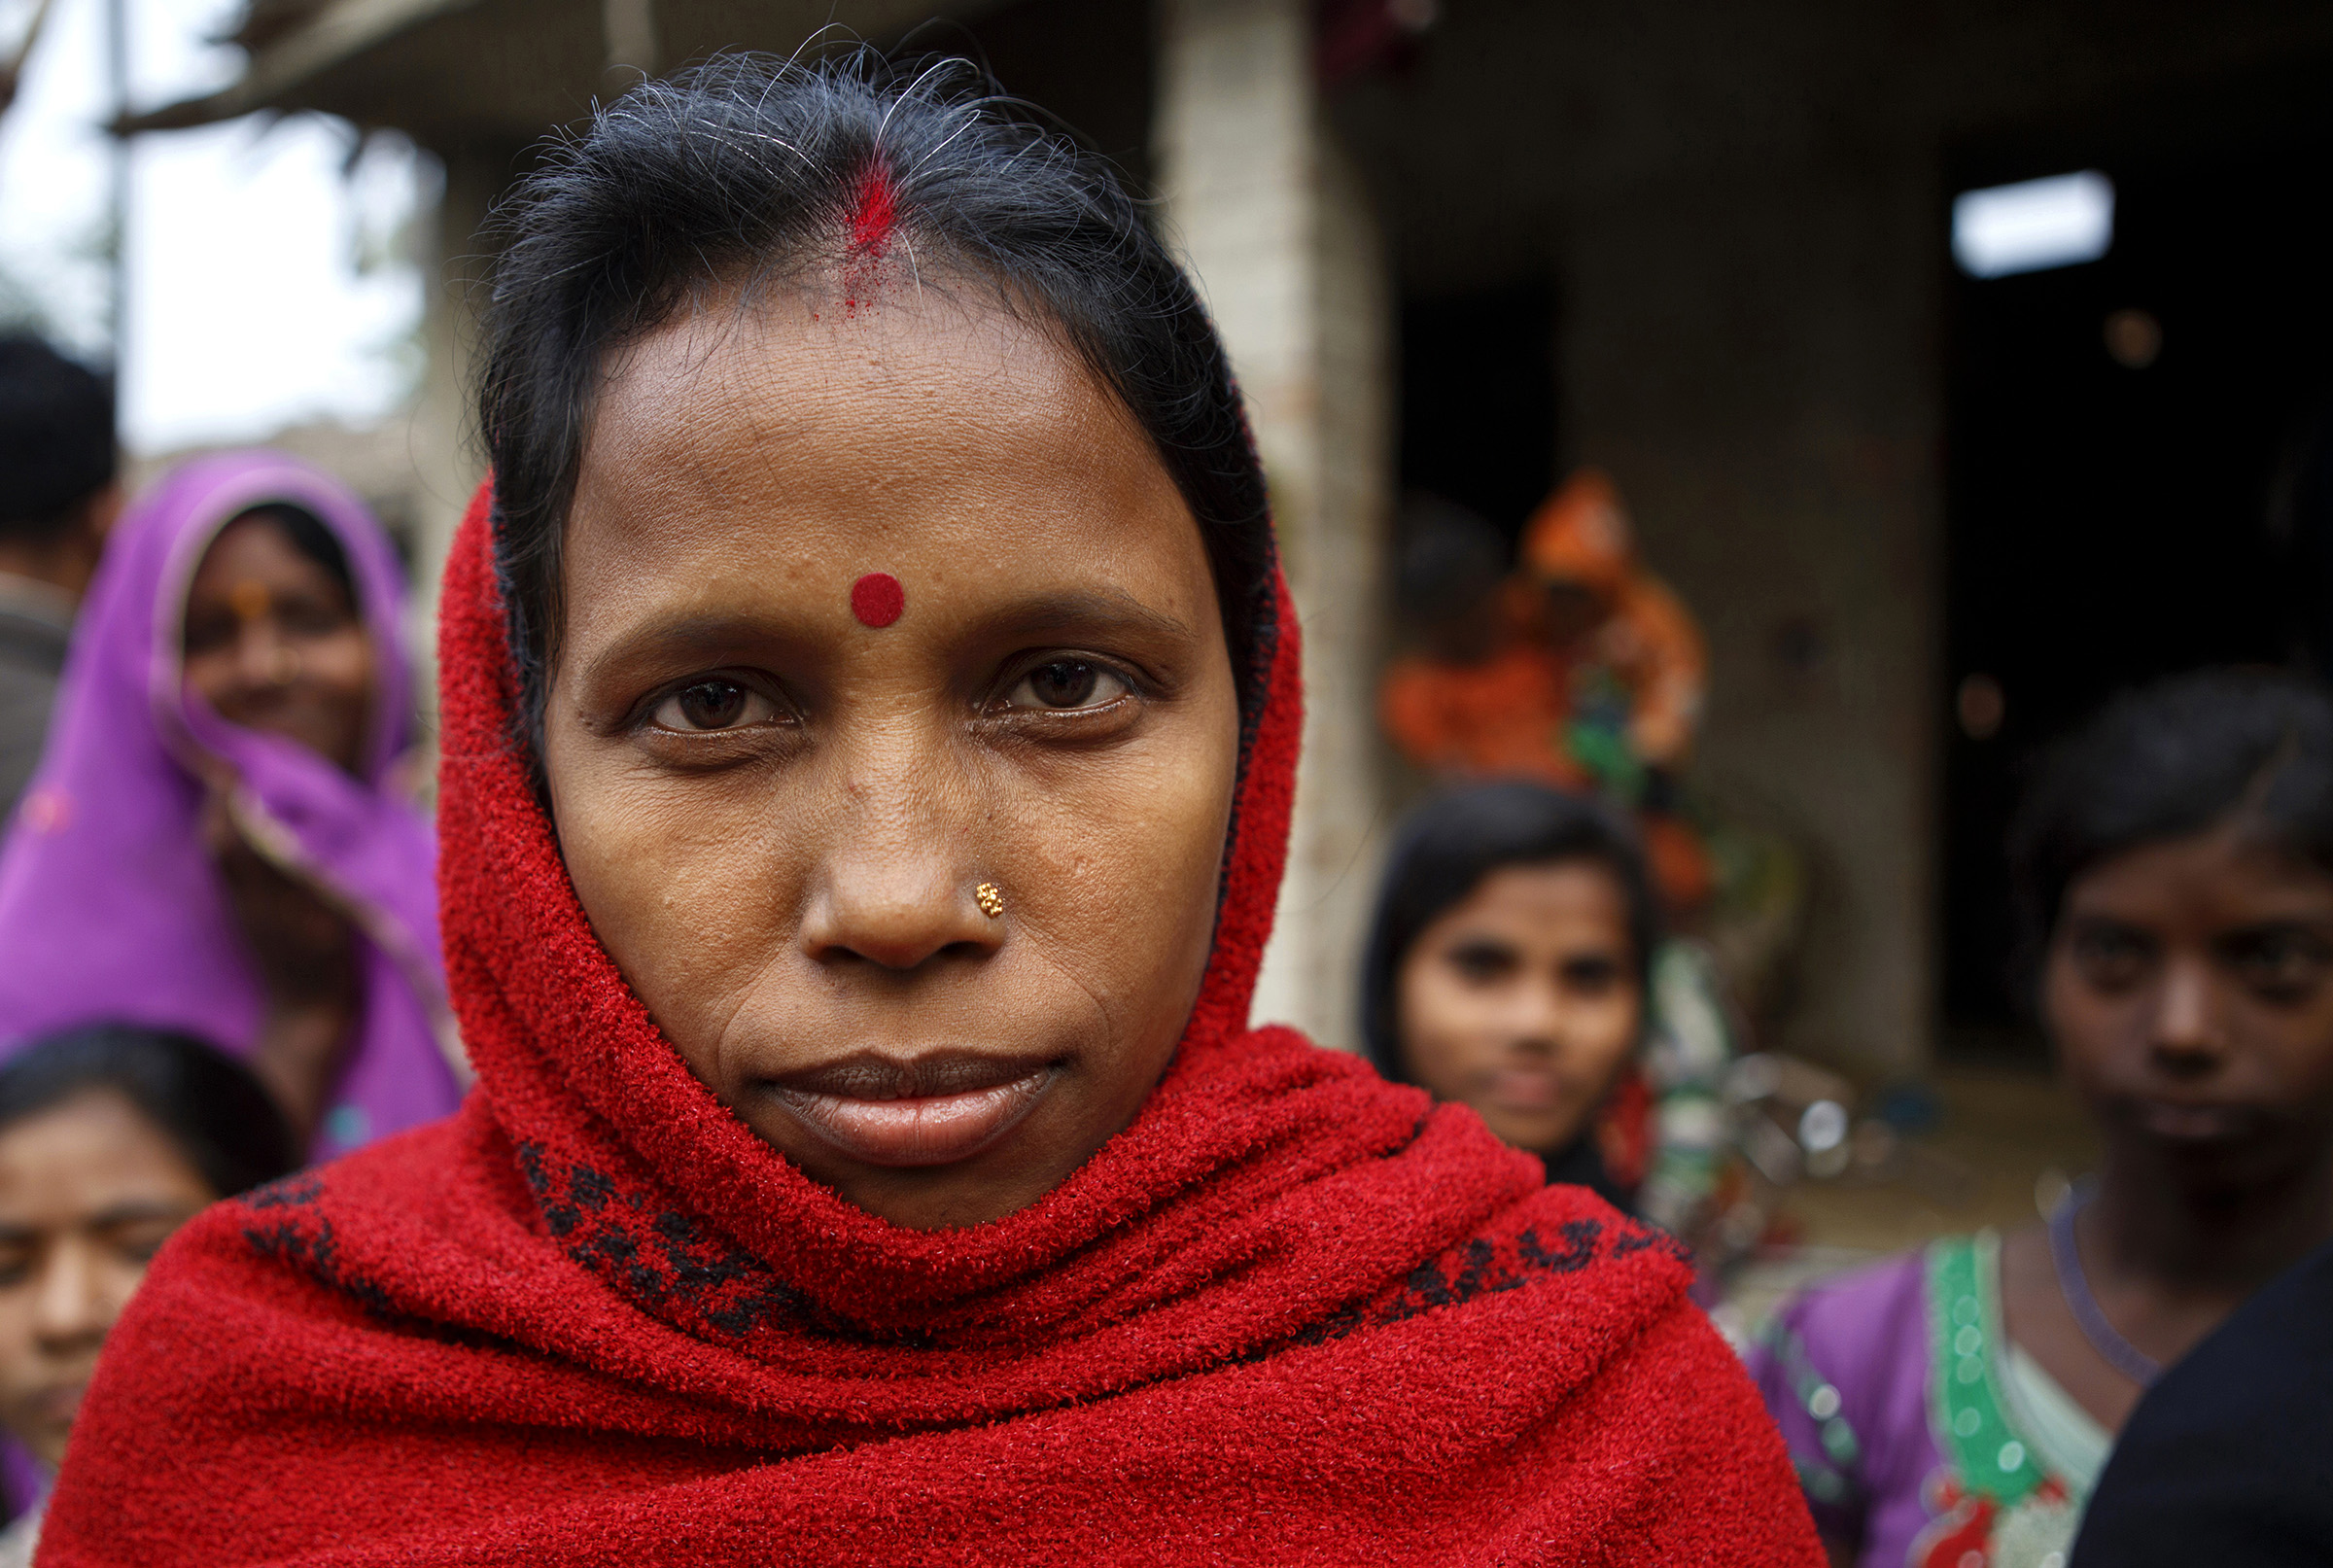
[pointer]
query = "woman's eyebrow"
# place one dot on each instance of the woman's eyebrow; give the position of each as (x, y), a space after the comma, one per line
(2309, 925)
(2075, 919)
(1105, 612)
(688, 636)
(140, 1211)
(1086, 610)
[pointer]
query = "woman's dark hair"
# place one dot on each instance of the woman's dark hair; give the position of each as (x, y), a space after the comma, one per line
(57, 437)
(2252, 747)
(312, 539)
(757, 171)
(1446, 850)
(208, 1104)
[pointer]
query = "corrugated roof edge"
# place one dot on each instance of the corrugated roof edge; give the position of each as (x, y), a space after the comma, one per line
(338, 30)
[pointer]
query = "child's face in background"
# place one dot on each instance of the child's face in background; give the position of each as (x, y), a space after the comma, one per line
(2190, 991)
(780, 791)
(1522, 1001)
(89, 1190)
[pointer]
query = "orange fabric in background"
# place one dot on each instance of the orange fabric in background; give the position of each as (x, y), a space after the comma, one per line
(1506, 717)
(1648, 637)
(1581, 534)
(1501, 719)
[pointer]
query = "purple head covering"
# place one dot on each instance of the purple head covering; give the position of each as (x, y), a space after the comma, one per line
(111, 909)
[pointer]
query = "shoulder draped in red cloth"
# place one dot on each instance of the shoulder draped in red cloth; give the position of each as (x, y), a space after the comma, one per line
(1292, 1314)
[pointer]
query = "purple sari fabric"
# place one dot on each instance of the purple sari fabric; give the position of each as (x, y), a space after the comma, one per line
(1866, 1334)
(110, 907)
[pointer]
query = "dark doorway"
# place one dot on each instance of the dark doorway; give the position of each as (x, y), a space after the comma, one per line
(1478, 399)
(2122, 435)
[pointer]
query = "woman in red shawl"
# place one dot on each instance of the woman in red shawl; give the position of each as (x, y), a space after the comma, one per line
(870, 722)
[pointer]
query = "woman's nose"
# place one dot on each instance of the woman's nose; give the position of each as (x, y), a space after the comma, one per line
(1533, 1017)
(258, 654)
(896, 887)
(2189, 1038)
(70, 1302)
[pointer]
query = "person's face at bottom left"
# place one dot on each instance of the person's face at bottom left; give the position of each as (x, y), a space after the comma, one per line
(89, 1190)
(891, 739)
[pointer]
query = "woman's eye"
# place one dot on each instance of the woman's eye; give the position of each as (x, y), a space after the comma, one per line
(2111, 956)
(308, 617)
(1483, 963)
(207, 633)
(2280, 962)
(713, 705)
(1063, 683)
(1590, 976)
(139, 1245)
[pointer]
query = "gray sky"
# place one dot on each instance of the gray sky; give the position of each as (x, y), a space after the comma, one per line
(264, 285)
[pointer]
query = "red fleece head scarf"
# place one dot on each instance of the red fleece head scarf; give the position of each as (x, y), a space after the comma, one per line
(1292, 1314)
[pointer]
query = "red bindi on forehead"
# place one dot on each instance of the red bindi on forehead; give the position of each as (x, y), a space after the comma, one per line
(877, 599)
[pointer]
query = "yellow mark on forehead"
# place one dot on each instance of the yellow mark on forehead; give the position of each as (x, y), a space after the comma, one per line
(249, 600)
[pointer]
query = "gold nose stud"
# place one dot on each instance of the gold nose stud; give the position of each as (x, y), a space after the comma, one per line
(989, 898)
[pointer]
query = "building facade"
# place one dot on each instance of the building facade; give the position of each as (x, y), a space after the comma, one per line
(1701, 244)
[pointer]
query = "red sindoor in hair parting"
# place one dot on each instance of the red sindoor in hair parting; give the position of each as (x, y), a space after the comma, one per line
(874, 216)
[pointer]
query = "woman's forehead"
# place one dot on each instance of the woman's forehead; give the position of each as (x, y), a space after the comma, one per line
(2231, 869)
(94, 1140)
(947, 449)
(733, 377)
(1574, 889)
(254, 544)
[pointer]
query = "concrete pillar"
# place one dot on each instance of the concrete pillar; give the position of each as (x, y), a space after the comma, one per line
(447, 463)
(1273, 220)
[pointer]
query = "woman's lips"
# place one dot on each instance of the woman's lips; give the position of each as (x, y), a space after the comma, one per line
(2195, 1123)
(1525, 1088)
(928, 1110)
(59, 1403)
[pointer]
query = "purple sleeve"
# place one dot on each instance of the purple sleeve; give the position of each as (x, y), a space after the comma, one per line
(1843, 1369)
(1787, 1381)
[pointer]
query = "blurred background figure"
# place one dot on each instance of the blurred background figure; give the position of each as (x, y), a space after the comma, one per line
(111, 1137)
(1514, 966)
(2173, 872)
(57, 497)
(1637, 662)
(219, 838)
(1580, 669)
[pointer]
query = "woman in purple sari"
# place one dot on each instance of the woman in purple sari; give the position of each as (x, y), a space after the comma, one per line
(217, 840)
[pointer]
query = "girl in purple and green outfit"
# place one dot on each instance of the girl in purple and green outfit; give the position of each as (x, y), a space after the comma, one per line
(1953, 1407)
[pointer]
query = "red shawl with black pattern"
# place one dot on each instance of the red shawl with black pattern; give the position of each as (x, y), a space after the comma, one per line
(1292, 1314)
